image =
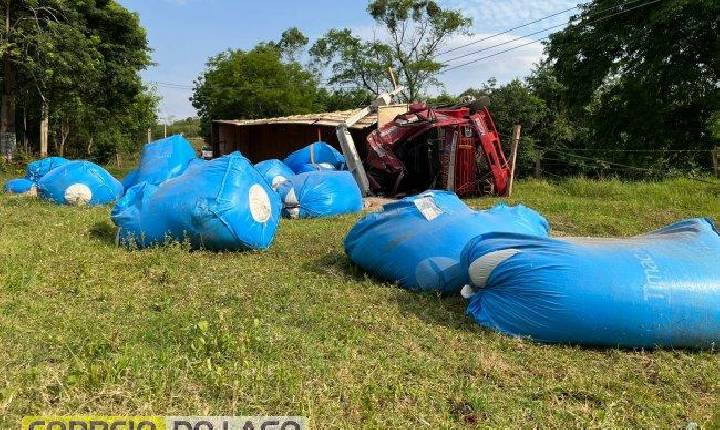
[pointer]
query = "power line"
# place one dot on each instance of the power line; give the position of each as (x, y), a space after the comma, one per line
(531, 34)
(545, 37)
(633, 150)
(618, 165)
(508, 31)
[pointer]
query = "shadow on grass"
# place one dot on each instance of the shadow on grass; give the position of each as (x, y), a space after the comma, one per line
(335, 264)
(104, 232)
(434, 308)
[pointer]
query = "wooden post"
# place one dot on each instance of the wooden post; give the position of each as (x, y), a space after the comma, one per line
(513, 156)
(392, 77)
(716, 161)
(44, 123)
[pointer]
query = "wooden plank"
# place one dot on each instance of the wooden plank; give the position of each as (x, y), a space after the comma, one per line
(388, 113)
(513, 156)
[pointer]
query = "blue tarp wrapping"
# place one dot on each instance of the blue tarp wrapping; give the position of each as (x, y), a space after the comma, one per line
(222, 204)
(79, 183)
(130, 180)
(417, 241)
(659, 289)
(19, 186)
(39, 168)
(318, 156)
(320, 194)
(275, 172)
(162, 160)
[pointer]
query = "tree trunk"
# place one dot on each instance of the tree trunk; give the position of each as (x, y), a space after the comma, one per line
(64, 133)
(8, 140)
(538, 167)
(91, 141)
(26, 138)
(44, 125)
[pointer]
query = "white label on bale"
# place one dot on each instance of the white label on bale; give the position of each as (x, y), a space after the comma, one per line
(481, 269)
(428, 208)
(78, 195)
(277, 181)
(260, 206)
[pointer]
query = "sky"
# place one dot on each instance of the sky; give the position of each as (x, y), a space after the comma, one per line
(185, 33)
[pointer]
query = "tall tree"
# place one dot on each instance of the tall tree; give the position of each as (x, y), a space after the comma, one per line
(252, 84)
(80, 59)
(646, 78)
(415, 31)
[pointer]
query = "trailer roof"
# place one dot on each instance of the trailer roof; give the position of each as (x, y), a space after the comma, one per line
(330, 119)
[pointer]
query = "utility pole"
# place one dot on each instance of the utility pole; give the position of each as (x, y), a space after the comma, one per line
(8, 140)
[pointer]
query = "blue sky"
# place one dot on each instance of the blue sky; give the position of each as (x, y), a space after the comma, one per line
(184, 33)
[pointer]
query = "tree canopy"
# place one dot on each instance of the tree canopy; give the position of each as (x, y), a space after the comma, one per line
(77, 65)
(646, 79)
(267, 81)
(413, 33)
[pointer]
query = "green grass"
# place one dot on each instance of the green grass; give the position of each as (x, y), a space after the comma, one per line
(86, 327)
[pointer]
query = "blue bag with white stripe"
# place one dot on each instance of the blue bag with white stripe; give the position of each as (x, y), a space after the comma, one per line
(658, 289)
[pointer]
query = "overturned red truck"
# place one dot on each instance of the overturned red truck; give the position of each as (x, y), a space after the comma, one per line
(453, 148)
(456, 148)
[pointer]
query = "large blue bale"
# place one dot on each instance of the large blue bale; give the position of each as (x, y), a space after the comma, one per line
(318, 156)
(417, 241)
(20, 186)
(222, 204)
(39, 168)
(162, 160)
(659, 289)
(320, 194)
(130, 180)
(80, 183)
(275, 172)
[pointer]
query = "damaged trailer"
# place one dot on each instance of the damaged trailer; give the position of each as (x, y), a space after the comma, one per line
(392, 150)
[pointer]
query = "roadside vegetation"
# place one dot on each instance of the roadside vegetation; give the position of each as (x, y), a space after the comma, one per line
(87, 327)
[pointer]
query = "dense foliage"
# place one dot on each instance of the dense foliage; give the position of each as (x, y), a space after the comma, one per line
(77, 65)
(645, 83)
(414, 31)
(267, 81)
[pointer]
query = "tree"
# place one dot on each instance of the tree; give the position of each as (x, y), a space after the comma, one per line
(416, 30)
(252, 84)
(292, 41)
(76, 62)
(646, 79)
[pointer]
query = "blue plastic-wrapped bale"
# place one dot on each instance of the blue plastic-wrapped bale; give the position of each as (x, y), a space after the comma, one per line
(417, 241)
(275, 172)
(80, 183)
(659, 289)
(162, 160)
(20, 186)
(222, 204)
(318, 156)
(39, 168)
(130, 180)
(320, 194)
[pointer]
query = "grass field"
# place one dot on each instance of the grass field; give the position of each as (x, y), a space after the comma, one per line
(86, 327)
